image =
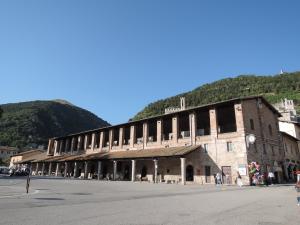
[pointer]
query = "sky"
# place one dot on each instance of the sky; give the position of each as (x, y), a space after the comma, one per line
(115, 57)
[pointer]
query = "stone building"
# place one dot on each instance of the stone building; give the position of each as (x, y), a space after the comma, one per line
(6, 152)
(190, 145)
(291, 156)
(26, 155)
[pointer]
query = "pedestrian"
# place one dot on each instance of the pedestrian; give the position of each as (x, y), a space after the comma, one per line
(271, 177)
(219, 179)
(297, 187)
(27, 183)
(239, 180)
(215, 178)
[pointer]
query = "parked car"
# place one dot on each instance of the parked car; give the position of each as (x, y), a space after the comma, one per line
(18, 172)
(4, 170)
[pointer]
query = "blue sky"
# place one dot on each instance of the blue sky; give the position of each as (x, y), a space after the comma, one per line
(115, 57)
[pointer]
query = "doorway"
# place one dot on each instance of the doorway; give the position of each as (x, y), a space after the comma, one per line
(144, 172)
(126, 172)
(207, 174)
(189, 173)
(226, 172)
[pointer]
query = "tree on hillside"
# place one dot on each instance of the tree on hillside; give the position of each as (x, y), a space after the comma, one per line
(1, 112)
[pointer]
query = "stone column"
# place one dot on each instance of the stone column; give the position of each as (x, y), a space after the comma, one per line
(50, 168)
(99, 169)
(57, 169)
(75, 169)
(133, 163)
(175, 129)
(85, 169)
(43, 168)
(121, 137)
(50, 147)
(79, 143)
(182, 162)
(193, 127)
(111, 138)
(102, 137)
(213, 122)
(66, 169)
(37, 169)
(132, 135)
(61, 146)
(56, 147)
(155, 170)
(85, 145)
(72, 145)
(159, 125)
(93, 141)
(115, 169)
(145, 133)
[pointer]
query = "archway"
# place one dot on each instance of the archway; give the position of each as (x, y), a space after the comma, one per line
(189, 173)
(144, 172)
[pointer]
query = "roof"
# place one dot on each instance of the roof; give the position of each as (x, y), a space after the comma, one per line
(134, 154)
(30, 152)
(287, 121)
(130, 154)
(271, 107)
(7, 148)
(289, 136)
(33, 157)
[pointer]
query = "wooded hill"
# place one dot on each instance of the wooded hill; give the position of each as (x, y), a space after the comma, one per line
(29, 124)
(273, 88)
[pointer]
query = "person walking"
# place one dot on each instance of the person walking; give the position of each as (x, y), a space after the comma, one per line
(297, 187)
(239, 181)
(271, 177)
(219, 179)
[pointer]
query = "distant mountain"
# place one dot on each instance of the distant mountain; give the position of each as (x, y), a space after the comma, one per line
(273, 88)
(29, 124)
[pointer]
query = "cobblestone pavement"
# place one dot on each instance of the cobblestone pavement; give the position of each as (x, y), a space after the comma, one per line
(86, 202)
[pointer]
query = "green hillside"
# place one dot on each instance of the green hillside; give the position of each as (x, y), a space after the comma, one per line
(32, 123)
(273, 88)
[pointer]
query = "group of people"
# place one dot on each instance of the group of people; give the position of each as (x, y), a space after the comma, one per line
(219, 179)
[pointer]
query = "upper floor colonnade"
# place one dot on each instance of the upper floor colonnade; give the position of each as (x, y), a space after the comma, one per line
(181, 128)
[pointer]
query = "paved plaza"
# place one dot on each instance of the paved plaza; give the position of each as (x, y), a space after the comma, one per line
(88, 202)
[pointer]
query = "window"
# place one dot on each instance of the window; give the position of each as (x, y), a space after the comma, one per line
(272, 148)
(229, 146)
(255, 147)
(205, 147)
(251, 124)
(270, 130)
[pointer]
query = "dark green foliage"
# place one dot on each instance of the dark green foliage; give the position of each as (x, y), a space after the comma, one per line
(273, 88)
(33, 123)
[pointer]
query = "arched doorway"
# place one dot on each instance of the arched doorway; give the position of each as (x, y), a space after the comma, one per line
(189, 173)
(144, 172)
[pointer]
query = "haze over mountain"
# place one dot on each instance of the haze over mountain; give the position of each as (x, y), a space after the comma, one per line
(33, 123)
(273, 88)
